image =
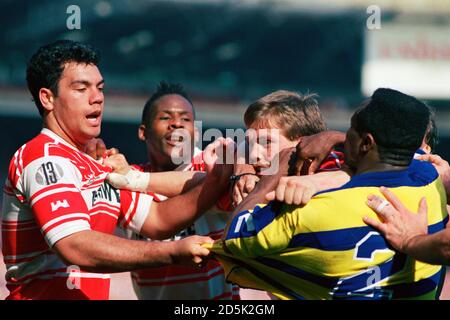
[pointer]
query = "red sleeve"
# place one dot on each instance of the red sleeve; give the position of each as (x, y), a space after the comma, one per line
(333, 162)
(198, 164)
(134, 209)
(224, 203)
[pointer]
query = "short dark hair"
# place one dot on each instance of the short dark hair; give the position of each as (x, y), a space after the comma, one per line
(295, 114)
(398, 123)
(47, 64)
(163, 88)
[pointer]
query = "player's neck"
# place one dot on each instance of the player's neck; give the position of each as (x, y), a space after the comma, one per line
(63, 135)
(377, 167)
(160, 163)
(371, 162)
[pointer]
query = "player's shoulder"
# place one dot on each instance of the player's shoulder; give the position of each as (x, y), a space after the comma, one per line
(322, 203)
(29, 151)
(197, 161)
(41, 146)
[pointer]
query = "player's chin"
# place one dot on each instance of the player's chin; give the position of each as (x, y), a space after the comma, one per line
(95, 131)
(92, 132)
(175, 152)
(168, 151)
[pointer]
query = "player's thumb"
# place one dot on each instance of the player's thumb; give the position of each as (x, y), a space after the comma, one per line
(200, 251)
(203, 239)
(313, 166)
(423, 157)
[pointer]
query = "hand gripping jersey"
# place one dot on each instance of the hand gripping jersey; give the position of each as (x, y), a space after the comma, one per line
(185, 282)
(52, 191)
(325, 251)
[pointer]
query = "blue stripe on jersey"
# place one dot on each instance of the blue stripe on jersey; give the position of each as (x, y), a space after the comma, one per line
(399, 291)
(340, 287)
(327, 282)
(411, 290)
(438, 226)
(419, 174)
(271, 281)
(249, 224)
(335, 240)
(346, 239)
(353, 286)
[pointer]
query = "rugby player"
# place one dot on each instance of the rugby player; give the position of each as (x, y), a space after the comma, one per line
(277, 121)
(323, 250)
(168, 117)
(59, 214)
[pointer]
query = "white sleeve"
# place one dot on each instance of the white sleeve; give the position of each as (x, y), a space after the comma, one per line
(51, 187)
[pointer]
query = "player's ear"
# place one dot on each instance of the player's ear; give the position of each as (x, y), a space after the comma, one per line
(425, 147)
(141, 132)
(367, 142)
(46, 98)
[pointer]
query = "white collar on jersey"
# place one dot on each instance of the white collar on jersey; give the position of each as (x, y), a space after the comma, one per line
(197, 151)
(57, 138)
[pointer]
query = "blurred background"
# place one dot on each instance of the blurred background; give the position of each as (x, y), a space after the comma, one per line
(228, 53)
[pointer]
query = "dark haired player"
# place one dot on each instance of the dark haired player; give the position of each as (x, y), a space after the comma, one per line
(59, 214)
(167, 115)
(323, 250)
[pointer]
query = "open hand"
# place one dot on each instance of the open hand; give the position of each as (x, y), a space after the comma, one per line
(398, 225)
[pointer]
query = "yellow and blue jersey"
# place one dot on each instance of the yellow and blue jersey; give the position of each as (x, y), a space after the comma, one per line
(324, 250)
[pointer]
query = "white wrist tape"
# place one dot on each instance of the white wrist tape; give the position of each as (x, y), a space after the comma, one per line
(134, 180)
(138, 181)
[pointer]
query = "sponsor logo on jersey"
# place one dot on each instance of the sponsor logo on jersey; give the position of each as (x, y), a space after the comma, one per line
(58, 204)
(91, 178)
(106, 192)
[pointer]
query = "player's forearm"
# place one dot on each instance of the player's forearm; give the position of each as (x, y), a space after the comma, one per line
(175, 214)
(329, 180)
(337, 137)
(173, 183)
(257, 196)
(432, 249)
(111, 253)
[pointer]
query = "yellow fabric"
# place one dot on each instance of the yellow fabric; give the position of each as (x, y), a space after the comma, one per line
(318, 251)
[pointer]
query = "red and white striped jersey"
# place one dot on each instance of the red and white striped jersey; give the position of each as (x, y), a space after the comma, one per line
(52, 191)
(185, 282)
